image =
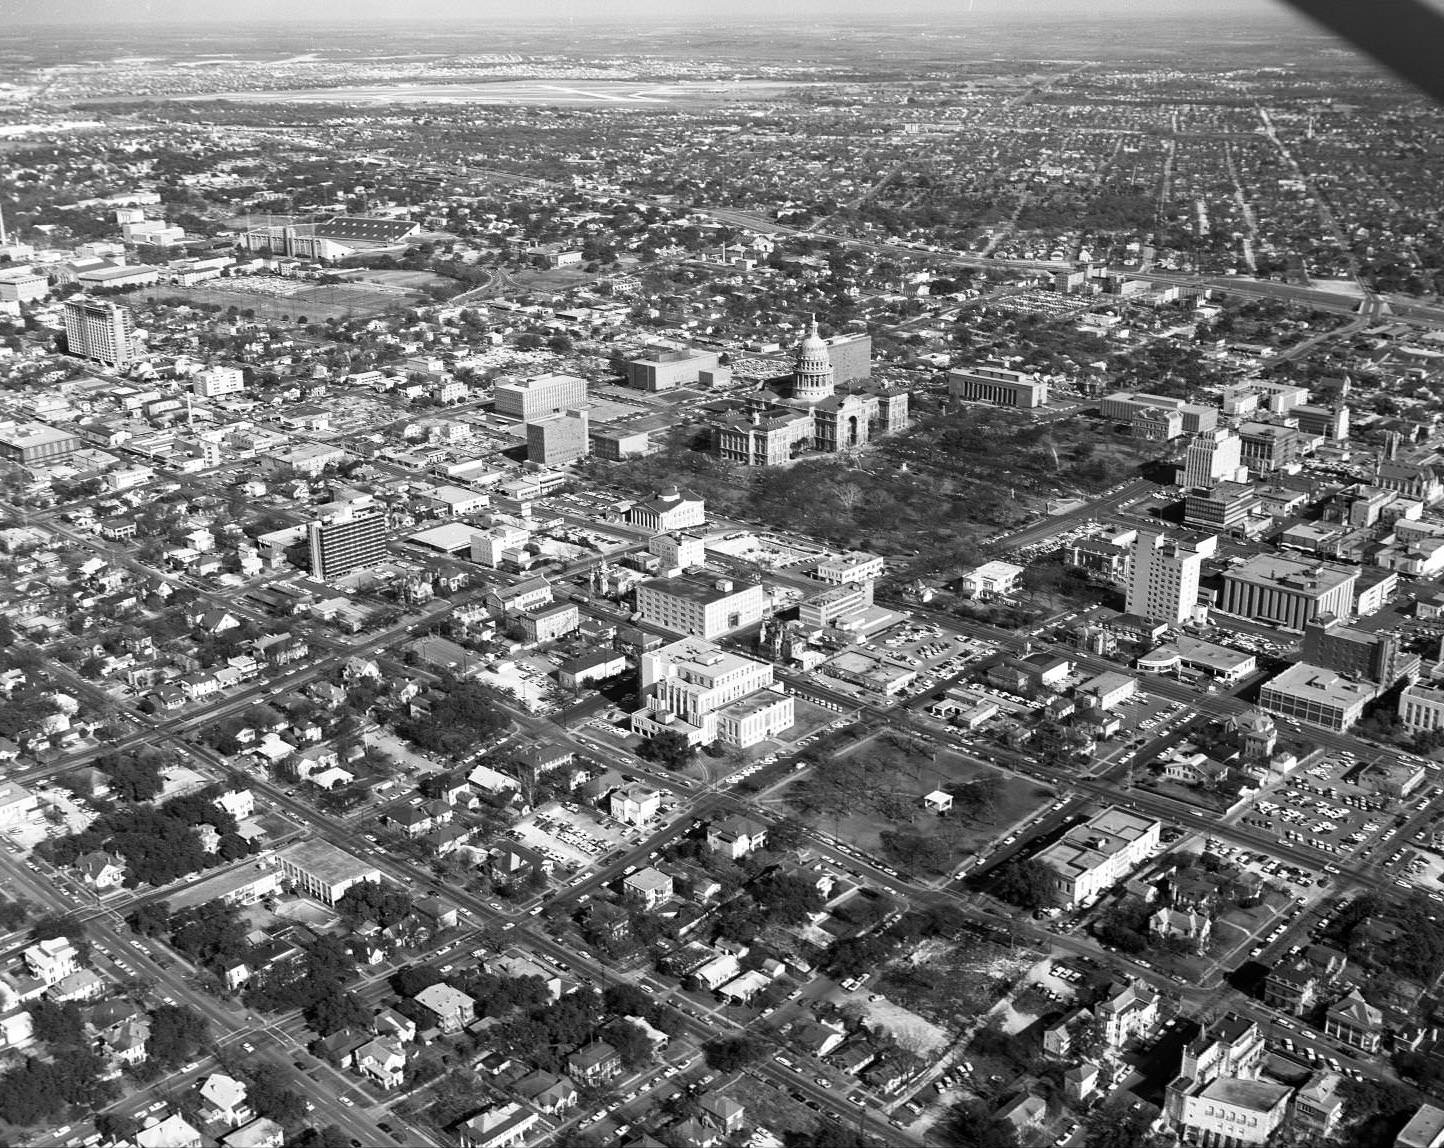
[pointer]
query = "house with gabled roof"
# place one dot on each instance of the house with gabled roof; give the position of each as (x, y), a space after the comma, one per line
(1354, 1021)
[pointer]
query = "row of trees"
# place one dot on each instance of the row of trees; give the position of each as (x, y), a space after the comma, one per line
(159, 844)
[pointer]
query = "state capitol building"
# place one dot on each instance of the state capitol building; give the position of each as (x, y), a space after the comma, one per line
(804, 412)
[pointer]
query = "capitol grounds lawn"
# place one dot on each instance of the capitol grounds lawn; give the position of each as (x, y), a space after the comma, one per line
(872, 795)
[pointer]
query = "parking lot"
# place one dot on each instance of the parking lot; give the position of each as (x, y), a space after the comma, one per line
(570, 835)
(1142, 718)
(1325, 808)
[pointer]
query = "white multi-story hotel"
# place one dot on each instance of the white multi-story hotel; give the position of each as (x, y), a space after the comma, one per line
(1163, 575)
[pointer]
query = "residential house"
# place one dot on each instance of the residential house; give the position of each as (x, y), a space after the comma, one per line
(1291, 986)
(101, 870)
(736, 836)
(172, 1132)
(1318, 1106)
(1024, 1113)
(1080, 1081)
(547, 1092)
(647, 888)
(1355, 1022)
(262, 1132)
(594, 1063)
(83, 985)
(1127, 1012)
(225, 1099)
(127, 1043)
(1195, 928)
(500, 1126)
(52, 960)
(390, 1023)
(383, 1060)
(452, 1008)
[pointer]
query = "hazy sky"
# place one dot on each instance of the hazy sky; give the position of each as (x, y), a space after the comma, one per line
(661, 11)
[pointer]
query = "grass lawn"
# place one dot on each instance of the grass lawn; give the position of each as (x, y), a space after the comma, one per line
(872, 794)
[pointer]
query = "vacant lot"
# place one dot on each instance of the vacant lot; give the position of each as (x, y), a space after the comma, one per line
(316, 304)
(950, 984)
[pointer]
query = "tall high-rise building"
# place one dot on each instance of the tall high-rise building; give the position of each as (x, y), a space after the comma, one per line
(540, 396)
(348, 536)
(1163, 579)
(102, 331)
(1214, 455)
(558, 440)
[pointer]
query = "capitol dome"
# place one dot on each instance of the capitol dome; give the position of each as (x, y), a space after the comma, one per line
(812, 376)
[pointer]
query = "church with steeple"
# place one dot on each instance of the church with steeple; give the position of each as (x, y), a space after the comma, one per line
(804, 412)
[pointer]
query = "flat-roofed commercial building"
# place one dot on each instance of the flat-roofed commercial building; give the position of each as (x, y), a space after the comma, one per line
(855, 566)
(540, 396)
(665, 368)
(1267, 447)
(1125, 405)
(1318, 696)
(836, 606)
(32, 443)
(998, 385)
(1424, 1130)
(1288, 592)
(22, 285)
(1224, 509)
(214, 382)
(17, 804)
(1358, 653)
(1421, 707)
(699, 604)
(559, 439)
(615, 443)
(1187, 652)
(323, 871)
(1097, 854)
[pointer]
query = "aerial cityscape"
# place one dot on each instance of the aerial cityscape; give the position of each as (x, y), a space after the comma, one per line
(700, 582)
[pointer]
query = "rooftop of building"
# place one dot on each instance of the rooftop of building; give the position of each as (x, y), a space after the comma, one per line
(32, 434)
(324, 861)
(1086, 846)
(1424, 1130)
(704, 658)
(1298, 575)
(1316, 685)
(702, 589)
(1259, 1095)
(537, 382)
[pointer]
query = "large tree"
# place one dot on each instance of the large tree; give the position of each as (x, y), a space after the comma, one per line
(1025, 882)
